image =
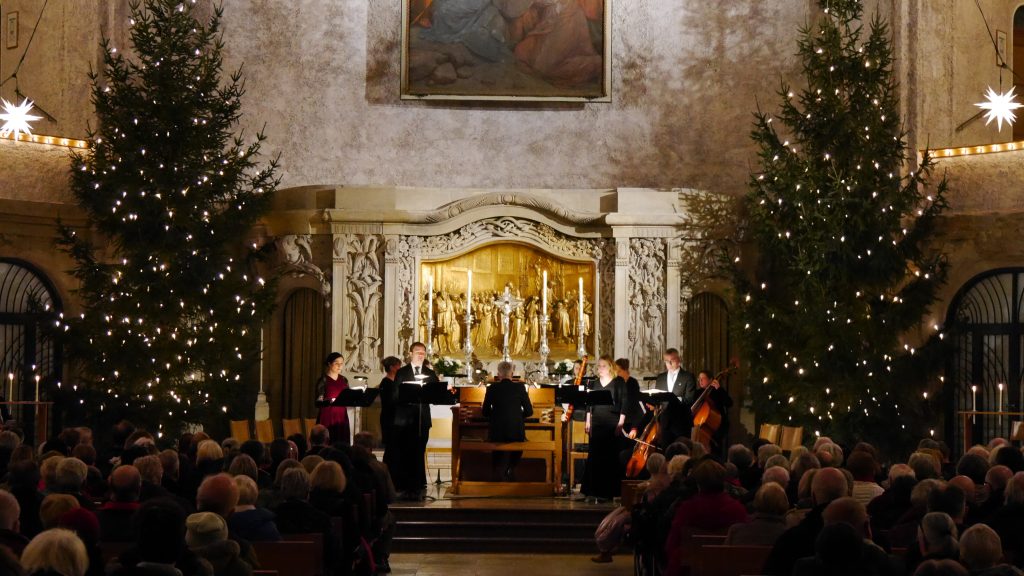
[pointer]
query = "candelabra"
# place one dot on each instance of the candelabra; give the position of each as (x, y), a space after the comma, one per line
(430, 336)
(469, 345)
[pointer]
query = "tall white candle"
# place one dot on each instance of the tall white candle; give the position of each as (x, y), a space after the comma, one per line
(37, 387)
(469, 287)
(999, 404)
(581, 297)
(544, 295)
(974, 402)
(10, 386)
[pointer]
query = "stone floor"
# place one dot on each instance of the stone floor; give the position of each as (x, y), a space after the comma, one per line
(506, 565)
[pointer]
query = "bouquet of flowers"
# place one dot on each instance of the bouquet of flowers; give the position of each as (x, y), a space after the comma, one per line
(563, 368)
(445, 366)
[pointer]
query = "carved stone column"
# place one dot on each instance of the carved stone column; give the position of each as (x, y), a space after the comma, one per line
(621, 297)
(673, 308)
(339, 291)
(392, 260)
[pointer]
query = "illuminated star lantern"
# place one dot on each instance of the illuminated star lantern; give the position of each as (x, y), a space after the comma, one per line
(1000, 107)
(16, 118)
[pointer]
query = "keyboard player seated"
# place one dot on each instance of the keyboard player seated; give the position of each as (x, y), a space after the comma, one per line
(507, 406)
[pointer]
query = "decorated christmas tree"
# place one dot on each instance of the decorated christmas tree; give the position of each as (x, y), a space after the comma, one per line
(172, 304)
(840, 219)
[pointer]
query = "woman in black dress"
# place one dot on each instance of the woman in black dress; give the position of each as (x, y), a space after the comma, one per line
(603, 476)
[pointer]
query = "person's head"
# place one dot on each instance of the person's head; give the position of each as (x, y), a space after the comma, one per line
(676, 448)
(70, 475)
(244, 465)
(828, 485)
(671, 358)
(771, 499)
(295, 484)
(84, 435)
(23, 474)
(765, 452)
(417, 353)
(656, 464)
(1011, 458)
(86, 453)
(280, 449)
(838, 547)
(82, 522)
(740, 456)
(676, 465)
(230, 445)
(54, 506)
(334, 363)
(964, 483)
(283, 467)
(125, 483)
(922, 491)
(159, 527)
(365, 440)
(10, 510)
(56, 550)
(862, 465)
(849, 511)
(328, 476)
(605, 366)
(973, 466)
(23, 452)
(208, 451)
(943, 567)
(218, 494)
(319, 436)
(897, 470)
(1015, 489)
(777, 475)
(937, 536)
(9, 440)
(777, 461)
(248, 492)
(309, 463)
(390, 365)
(170, 463)
(622, 367)
(255, 450)
(805, 462)
(150, 469)
(924, 465)
(704, 379)
(205, 529)
(504, 370)
(948, 498)
(980, 548)
(122, 430)
(709, 476)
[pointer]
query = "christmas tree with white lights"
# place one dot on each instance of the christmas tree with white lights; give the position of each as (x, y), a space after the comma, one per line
(840, 221)
(172, 303)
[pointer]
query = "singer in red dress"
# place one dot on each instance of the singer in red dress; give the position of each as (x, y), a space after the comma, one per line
(330, 384)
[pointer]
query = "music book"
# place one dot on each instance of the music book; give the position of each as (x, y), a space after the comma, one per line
(352, 397)
(425, 392)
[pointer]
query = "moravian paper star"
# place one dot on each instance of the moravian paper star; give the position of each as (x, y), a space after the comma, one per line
(15, 118)
(1000, 107)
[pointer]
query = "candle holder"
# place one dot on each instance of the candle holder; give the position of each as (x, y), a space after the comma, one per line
(544, 348)
(430, 337)
(469, 344)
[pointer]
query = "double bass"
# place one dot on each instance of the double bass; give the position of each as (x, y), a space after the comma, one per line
(707, 417)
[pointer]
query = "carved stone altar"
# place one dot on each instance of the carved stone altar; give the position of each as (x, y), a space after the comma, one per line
(385, 241)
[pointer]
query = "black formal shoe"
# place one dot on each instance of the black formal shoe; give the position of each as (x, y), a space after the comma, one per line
(384, 567)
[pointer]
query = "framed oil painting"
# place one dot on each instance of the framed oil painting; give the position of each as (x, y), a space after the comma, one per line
(535, 50)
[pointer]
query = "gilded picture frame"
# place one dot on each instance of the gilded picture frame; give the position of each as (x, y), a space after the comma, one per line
(506, 50)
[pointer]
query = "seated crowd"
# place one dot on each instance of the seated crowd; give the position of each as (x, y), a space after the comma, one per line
(201, 510)
(833, 510)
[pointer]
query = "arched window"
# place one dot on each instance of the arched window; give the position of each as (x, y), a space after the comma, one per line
(306, 344)
(24, 352)
(986, 319)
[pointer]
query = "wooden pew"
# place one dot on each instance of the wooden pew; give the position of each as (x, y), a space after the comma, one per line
(722, 560)
(690, 544)
(292, 557)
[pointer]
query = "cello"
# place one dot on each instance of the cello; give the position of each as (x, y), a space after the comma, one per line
(644, 445)
(707, 417)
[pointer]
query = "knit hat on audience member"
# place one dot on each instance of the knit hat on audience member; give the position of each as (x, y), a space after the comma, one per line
(204, 529)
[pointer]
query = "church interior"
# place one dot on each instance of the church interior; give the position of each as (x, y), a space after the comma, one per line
(516, 180)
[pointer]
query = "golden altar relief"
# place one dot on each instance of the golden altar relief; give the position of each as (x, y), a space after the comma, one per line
(446, 288)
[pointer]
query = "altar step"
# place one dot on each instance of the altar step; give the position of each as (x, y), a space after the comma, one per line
(520, 530)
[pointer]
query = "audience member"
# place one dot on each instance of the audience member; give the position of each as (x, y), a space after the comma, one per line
(55, 551)
(248, 521)
(207, 536)
(115, 515)
(981, 551)
(10, 524)
(768, 521)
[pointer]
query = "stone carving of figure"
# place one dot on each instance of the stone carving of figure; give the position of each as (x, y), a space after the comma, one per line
(424, 337)
(458, 320)
(532, 323)
(518, 337)
(653, 344)
(564, 322)
(443, 311)
(588, 310)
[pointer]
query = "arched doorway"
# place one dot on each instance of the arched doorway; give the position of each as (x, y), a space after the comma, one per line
(25, 353)
(306, 344)
(986, 319)
(708, 343)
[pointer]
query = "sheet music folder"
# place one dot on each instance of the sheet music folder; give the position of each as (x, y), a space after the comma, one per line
(413, 392)
(582, 398)
(362, 397)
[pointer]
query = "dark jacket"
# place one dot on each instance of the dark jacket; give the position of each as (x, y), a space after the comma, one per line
(794, 544)
(507, 404)
(299, 517)
(116, 521)
(256, 525)
(684, 387)
(13, 540)
(409, 415)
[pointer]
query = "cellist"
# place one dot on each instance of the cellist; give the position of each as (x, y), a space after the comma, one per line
(722, 401)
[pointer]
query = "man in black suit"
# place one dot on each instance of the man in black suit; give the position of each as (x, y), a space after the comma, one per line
(410, 429)
(507, 405)
(675, 418)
